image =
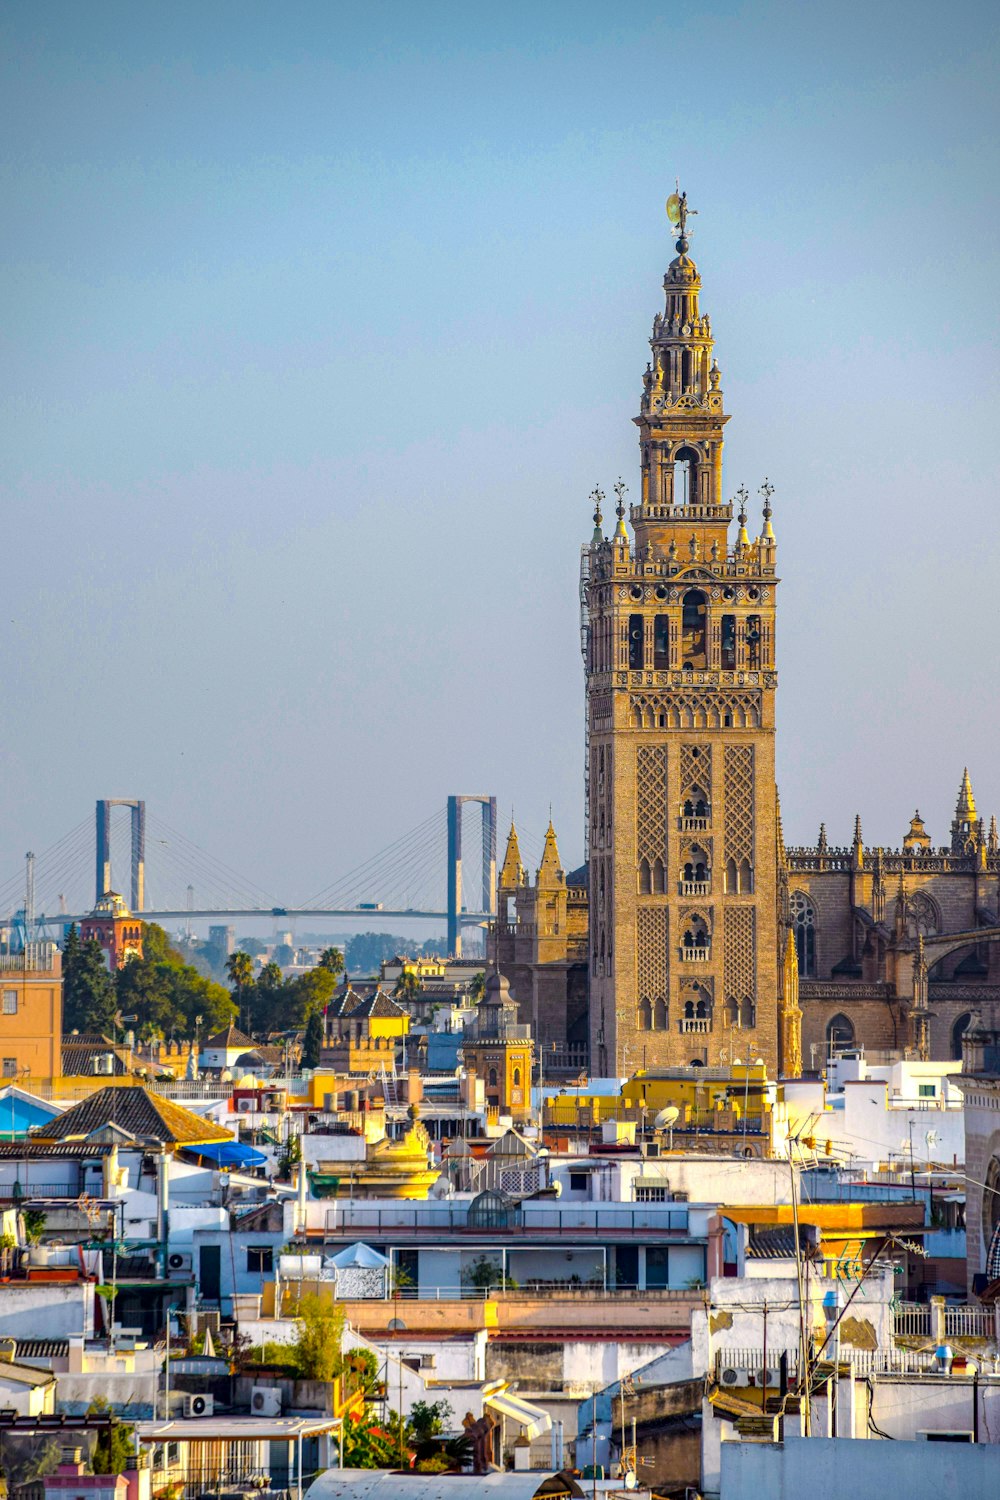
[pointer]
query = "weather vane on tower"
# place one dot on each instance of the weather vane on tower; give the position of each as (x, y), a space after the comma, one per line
(677, 213)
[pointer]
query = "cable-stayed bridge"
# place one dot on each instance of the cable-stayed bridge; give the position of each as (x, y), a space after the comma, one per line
(166, 877)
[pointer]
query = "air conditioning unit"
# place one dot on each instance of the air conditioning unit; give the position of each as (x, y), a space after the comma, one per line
(731, 1377)
(428, 1361)
(265, 1401)
(244, 1106)
(179, 1261)
(199, 1406)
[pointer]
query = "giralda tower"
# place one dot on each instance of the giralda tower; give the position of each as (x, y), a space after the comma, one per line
(679, 643)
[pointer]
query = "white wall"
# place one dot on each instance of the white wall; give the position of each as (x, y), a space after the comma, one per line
(50, 1310)
(832, 1468)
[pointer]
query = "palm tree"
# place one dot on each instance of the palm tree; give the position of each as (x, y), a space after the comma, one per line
(407, 986)
(239, 967)
(333, 960)
(477, 989)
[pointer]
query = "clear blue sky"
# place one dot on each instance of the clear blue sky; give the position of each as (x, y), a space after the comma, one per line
(320, 321)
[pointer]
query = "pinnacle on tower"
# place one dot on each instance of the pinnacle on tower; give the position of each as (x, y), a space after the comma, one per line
(992, 842)
(965, 807)
(597, 495)
(821, 844)
(550, 871)
(621, 490)
(857, 828)
(512, 870)
(767, 490)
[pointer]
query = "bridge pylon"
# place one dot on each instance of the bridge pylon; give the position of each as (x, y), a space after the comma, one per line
(103, 882)
(489, 864)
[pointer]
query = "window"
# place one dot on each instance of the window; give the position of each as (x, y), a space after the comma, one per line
(661, 642)
(652, 1195)
(728, 642)
(10, 1067)
(753, 641)
(926, 1091)
(579, 1182)
(693, 622)
(839, 1034)
(260, 1258)
(493, 1078)
(804, 926)
(10, 1002)
(635, 643)
(957, 1032)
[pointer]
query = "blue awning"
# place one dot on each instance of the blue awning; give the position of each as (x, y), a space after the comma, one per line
(229, 1154)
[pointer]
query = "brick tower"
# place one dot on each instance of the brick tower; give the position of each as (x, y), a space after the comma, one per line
(679, 637)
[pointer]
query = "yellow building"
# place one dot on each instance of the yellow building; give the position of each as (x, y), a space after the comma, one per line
(499, 1050)
(31, 1012)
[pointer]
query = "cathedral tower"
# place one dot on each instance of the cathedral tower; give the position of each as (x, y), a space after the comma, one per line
(684, 945)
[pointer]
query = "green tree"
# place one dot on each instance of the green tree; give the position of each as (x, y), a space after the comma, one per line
(370, 1443)
(318, 1338)
(267, 1008)
(311, 991)
(407, 987)
(114, 1450)
(239, 967)
(477, 989)
(313, 1041)
(332, 960)
(165, 993)
(89, 1001)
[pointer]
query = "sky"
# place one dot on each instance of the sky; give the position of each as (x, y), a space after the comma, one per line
(320, 321)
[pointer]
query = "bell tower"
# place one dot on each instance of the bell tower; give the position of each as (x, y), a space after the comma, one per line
(685, 958)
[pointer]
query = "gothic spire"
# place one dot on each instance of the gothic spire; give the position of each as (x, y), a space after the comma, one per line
(965, 807)
(821, 844)
(550, 871)
(512, 870)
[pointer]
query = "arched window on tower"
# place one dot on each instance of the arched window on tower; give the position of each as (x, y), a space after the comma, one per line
(694, 622)
(804, 927)
(659, 877)
(645, 877)
(686, 469)
(695, 939)
(645, 1015)
(839, 1035)
(661, 642)
(695, 809)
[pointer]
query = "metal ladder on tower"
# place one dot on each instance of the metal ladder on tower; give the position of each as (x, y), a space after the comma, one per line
(388, 1081)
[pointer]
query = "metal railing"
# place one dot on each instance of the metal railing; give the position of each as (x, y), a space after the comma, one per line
(442, 1218)
(968, 1321)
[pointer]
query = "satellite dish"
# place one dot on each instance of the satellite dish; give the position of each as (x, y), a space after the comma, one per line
(674, 208)
(667, 1117)
(396, 1325)
(630, 1480)
(557, 1188)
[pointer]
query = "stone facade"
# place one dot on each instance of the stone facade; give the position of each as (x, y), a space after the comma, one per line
(693, 935)
(879, 938)
(679, 630)
(539, 943)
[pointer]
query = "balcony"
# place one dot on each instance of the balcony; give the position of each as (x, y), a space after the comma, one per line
(695, 955)
(695, 1025)
(693, 825)
(696, 887)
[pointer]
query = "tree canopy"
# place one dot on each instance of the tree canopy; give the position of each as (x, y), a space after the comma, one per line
(89, 998)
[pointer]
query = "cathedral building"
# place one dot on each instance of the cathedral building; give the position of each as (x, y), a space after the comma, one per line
(693, 936)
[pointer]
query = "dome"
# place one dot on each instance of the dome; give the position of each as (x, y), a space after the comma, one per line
(496, 990)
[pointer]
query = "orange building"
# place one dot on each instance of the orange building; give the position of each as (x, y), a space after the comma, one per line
(115, 928)
(31, 1012)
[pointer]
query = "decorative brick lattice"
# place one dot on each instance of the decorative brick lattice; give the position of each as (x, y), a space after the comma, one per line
(651, 954)
(740, 969)
(696, 769)
(738, 784)
(739, 709)
(651, 803)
